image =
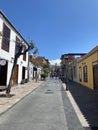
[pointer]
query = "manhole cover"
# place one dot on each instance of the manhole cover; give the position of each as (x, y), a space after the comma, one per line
(49, 92)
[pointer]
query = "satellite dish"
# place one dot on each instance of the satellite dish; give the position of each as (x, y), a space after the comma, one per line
(2, 62)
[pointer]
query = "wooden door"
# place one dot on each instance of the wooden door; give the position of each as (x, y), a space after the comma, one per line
(95, 76)
(15, 75)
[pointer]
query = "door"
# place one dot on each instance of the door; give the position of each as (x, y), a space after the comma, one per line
(15, 75)
(3, 74)
(23, 73)
(95, 76)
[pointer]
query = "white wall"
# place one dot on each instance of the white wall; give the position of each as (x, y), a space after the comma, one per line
(8, 55)
(31, 71)
(39, 71)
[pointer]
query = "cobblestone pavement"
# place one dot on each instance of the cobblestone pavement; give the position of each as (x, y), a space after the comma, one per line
(17, 93)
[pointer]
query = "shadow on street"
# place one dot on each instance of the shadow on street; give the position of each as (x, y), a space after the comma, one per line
(87, 101)
(4, 95)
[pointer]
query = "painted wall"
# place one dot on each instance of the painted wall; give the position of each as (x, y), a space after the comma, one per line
(89, 61)
(9, 55)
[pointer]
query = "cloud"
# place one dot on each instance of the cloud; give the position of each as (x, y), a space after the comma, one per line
(54, 62)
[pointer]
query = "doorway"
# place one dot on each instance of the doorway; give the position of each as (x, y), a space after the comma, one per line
(15, 75)
(3, 74)
(95, 76)
(23, 73)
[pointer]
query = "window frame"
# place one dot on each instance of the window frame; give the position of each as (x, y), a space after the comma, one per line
(17, 45)
(24, 56)
(85, 73)
(6, 37)
(80, 74)
(74, 71)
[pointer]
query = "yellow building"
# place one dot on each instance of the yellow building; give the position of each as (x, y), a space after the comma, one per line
(88, 69)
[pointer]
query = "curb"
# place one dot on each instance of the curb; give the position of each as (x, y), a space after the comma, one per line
(77, 110)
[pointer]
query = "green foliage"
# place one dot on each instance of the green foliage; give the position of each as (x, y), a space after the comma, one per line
(46, 70)
(43, 76)
(33, 49)
(31, 43)
(33, 61)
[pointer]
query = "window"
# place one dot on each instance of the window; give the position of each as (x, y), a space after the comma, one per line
(17, 45)
(74, 71)
(24, 56)
(6, 38)
(85, 75)
(80, 74)
(23, 73)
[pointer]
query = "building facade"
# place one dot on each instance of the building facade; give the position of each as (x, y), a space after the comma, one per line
(88, 69)
(9, 41)
(66, 60)
(73, 71)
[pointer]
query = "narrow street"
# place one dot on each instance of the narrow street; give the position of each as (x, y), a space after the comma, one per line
(46, 108)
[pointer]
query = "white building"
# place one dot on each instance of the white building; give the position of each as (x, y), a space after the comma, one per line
(31, 75)
(39, 72)
(8, 47)
(72, 70)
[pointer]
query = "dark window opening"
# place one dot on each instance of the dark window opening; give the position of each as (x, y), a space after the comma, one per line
(5, 38)
(23, 73)
(24, 56)
(80, 74)
(85, 75)
(17, 45)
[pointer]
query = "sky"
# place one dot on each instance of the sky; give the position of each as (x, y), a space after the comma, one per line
(56, 26)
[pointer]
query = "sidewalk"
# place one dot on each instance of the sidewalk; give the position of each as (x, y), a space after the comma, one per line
(87, 102)
(17, 93)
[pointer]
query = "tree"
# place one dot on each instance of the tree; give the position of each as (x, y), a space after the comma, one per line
(22, 50)
(45, 71)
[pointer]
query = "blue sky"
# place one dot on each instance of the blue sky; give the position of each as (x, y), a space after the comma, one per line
(56, 26)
